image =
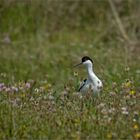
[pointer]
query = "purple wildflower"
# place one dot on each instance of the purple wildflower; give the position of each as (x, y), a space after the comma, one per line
(27, 85)
(2, 86)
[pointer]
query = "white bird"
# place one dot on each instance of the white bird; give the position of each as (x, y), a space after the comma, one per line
(92, 83)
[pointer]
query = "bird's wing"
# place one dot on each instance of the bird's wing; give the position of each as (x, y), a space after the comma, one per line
(82, 85)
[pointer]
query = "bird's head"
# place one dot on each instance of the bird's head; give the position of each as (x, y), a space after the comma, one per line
(87, 61)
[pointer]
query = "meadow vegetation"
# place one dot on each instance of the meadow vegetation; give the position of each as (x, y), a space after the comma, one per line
(40, 41)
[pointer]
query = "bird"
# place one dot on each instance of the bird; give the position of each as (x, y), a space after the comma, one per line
(92, 83)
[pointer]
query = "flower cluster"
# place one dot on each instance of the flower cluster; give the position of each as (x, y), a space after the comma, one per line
(128, 87)
(21, 86)
(6, 88)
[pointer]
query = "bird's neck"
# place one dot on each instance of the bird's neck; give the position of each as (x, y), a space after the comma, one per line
(91, 74)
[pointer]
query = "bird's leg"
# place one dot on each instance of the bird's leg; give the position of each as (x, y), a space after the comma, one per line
(89, 93)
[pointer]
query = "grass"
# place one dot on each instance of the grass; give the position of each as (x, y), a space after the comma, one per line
(38, 84)
(38, 98)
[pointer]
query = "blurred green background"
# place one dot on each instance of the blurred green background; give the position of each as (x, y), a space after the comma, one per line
(41, 38)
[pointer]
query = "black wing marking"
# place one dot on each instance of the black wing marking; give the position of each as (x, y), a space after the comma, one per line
(84, 82)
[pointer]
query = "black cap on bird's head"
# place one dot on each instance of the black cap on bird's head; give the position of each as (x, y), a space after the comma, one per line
(84, 59)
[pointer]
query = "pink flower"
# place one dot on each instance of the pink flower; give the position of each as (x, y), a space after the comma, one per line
(27, 85)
